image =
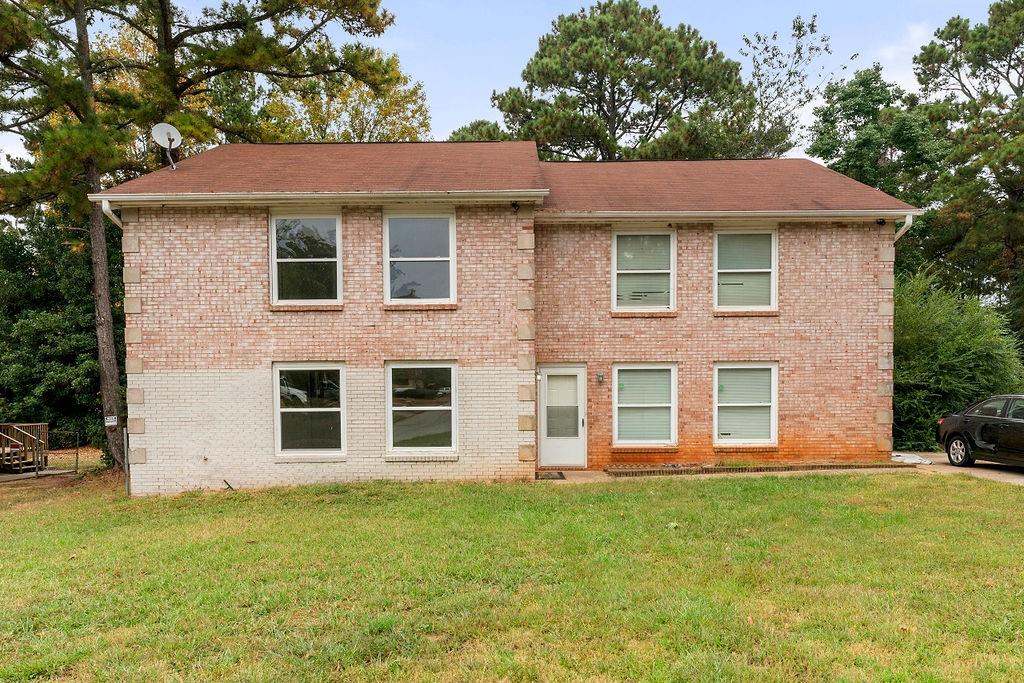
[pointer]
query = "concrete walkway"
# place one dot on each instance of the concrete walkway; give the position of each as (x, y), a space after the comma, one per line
(7, 478)
(1007, 474)
(597, 476)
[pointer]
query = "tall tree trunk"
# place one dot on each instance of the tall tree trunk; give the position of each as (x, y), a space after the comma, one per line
(110, 374)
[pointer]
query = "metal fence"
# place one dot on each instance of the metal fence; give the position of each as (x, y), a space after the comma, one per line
(65, 450)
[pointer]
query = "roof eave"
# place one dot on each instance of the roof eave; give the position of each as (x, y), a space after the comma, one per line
(554, 216)
(116, 199)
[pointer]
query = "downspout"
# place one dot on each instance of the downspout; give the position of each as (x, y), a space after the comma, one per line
(906, 226)
(109, 213)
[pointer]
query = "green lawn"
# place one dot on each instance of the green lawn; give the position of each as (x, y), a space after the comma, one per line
(861, 577)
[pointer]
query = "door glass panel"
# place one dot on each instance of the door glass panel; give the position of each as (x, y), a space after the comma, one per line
(562, 406)
(1016, 410)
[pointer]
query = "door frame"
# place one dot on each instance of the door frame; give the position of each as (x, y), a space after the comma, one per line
(553, 368)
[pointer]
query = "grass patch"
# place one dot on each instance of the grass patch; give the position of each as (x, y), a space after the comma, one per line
(857, 577)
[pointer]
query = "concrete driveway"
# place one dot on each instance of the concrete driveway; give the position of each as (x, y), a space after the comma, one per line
(1008, 474)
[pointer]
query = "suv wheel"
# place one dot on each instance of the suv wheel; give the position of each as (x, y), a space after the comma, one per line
(959, 452)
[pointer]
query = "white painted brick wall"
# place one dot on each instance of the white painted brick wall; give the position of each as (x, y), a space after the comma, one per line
(203, 427)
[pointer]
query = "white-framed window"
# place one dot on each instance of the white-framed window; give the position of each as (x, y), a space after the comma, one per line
(644, 270)
(305, 258)
(422, 406)
(419, 254)
(644, 400)
(746, 269)
(746, 403)
(309, 400)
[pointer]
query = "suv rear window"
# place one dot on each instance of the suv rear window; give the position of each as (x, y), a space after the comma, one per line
(994, 407)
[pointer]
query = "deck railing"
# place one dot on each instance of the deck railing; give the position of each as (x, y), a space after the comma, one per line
(23, 446)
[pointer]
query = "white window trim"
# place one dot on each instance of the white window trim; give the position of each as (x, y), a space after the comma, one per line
(671, 277)
(774, 269)
(274, 298)
(774, 439)
(452, 270)
(278, 410)
(672, 367)
(454, 409)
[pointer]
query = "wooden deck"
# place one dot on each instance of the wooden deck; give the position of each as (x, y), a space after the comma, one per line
(24, 447)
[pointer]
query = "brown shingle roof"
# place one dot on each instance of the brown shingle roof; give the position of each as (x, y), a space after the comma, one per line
(716, 186)
(348, 167)
(770, 185)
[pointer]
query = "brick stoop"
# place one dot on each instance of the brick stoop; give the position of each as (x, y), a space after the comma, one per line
(643, 470)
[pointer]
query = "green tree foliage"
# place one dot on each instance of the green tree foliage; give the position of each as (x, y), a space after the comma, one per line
(973, 77)
(950, 350)
(608, 79)
(48, 356)
(873, 131)
(83, 107)
(613, 82)
(349, 111)
(480, 130)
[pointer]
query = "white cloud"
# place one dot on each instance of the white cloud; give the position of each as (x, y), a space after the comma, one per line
(897, 57)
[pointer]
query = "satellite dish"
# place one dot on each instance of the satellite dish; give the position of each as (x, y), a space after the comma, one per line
(168, 137)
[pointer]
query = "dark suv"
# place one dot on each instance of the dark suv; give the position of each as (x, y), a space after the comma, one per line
(992, 429)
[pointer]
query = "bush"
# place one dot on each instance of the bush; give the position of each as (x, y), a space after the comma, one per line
(949, 351)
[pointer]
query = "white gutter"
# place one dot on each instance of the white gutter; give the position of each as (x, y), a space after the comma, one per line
(105, 204)
(909, 221)
(555, 216)
(248, 198)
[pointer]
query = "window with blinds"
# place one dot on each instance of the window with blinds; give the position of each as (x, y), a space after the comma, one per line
(645, 404)
(745, 410)
(643, 271)
(745, 270)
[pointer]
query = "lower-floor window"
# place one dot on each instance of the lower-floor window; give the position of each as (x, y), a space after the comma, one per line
(310, 406)
(421, 406)
(645, 404)
(746, 403)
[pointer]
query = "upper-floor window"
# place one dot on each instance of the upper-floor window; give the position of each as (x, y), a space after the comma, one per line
(643, 269)
(746, 270)
(306, 259)
(420, 259)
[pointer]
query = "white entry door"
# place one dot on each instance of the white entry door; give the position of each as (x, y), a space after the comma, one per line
(563, 416)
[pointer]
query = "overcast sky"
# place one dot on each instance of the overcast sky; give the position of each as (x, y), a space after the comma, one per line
(462, 50)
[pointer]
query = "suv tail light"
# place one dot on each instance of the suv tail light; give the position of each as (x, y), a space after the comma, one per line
(941, 420)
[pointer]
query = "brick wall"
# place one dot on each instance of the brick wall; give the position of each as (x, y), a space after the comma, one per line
(831, 338)
(202, 336)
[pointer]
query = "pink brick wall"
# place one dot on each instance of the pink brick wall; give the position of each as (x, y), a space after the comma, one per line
(206, 295)
(831, 339)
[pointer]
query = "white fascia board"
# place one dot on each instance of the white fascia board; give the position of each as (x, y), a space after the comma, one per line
(307, 198)
(554, 217)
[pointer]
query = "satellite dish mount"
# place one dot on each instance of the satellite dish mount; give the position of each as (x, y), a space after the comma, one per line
(168, 137)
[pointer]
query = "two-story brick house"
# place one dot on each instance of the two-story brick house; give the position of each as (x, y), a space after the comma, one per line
(336, 312)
